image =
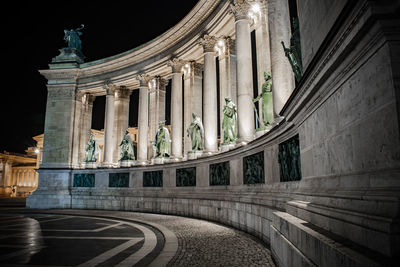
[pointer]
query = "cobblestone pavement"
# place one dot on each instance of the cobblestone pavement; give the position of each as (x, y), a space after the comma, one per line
(203, 243)
(199, 242)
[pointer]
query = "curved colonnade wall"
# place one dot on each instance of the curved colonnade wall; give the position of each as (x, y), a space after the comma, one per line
(343, 112)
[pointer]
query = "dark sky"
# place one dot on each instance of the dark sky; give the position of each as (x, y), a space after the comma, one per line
(32, 34)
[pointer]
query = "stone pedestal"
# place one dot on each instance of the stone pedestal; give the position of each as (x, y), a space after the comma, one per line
(194, 154)
(68, 57)
(160, 160)
(263, 130)
(224, 148)
(90, 165)
(126, 163)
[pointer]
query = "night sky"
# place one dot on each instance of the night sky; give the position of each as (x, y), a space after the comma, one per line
(32, 34)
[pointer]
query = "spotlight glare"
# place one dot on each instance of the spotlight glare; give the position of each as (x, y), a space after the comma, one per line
(256, 8)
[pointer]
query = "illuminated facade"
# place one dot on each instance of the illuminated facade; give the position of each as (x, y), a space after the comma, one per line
(325, 169)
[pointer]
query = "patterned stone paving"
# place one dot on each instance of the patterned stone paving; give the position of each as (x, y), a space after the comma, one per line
(111, 238)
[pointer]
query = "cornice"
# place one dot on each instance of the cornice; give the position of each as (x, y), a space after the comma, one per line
(60, 74)
(181, 41)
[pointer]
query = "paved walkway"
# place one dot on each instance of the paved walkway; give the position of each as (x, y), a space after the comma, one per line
(113, 238)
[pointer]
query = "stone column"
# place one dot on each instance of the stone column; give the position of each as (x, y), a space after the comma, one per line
(260, 17)
(121, 118)
(244, 71)
(282, 75)
(156, 107)
(18, 174)
(86, 126)
(176, 107)
(24, 177)
(227, 73)
(193, 97)
(143, 124)
(3, 173)
(109, 142)
(77, 131)
(210, 95)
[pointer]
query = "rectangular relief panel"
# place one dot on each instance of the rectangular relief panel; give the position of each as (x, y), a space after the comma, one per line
(83, 180)
(118, 180)
(153, 179)
(253, 169)
(220, 173)
(289, 160)
(186, 177)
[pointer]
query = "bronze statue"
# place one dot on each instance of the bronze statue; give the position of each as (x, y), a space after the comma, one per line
(162, 142)
(293, 53)
(72, 37)
(266, 97)
(196, 133)
(91, 150)
(127, 150)
(229, 124)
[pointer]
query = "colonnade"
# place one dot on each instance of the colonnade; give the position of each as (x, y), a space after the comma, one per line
(21, 176)
(271, 25)
(24, 177)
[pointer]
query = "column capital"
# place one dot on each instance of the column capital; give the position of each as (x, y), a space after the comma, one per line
(258, 12)
(85, 97)
(192, 68)
(240, 9)
(208, 42)
(161, 83)
(109, 86)
(176, 64)
(143, 79)
(226, 46)
(90, 98)
(80, 96)
(123, 92)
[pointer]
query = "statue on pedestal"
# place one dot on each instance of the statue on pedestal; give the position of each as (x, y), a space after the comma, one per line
(229, 124)
(293, 53)
(196, 133)
(162, 142)
(266, 96)
(127, 150)
(91, 150)
(72, 37)
(71, 56)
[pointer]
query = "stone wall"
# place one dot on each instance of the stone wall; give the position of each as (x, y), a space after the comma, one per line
(323, 13)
